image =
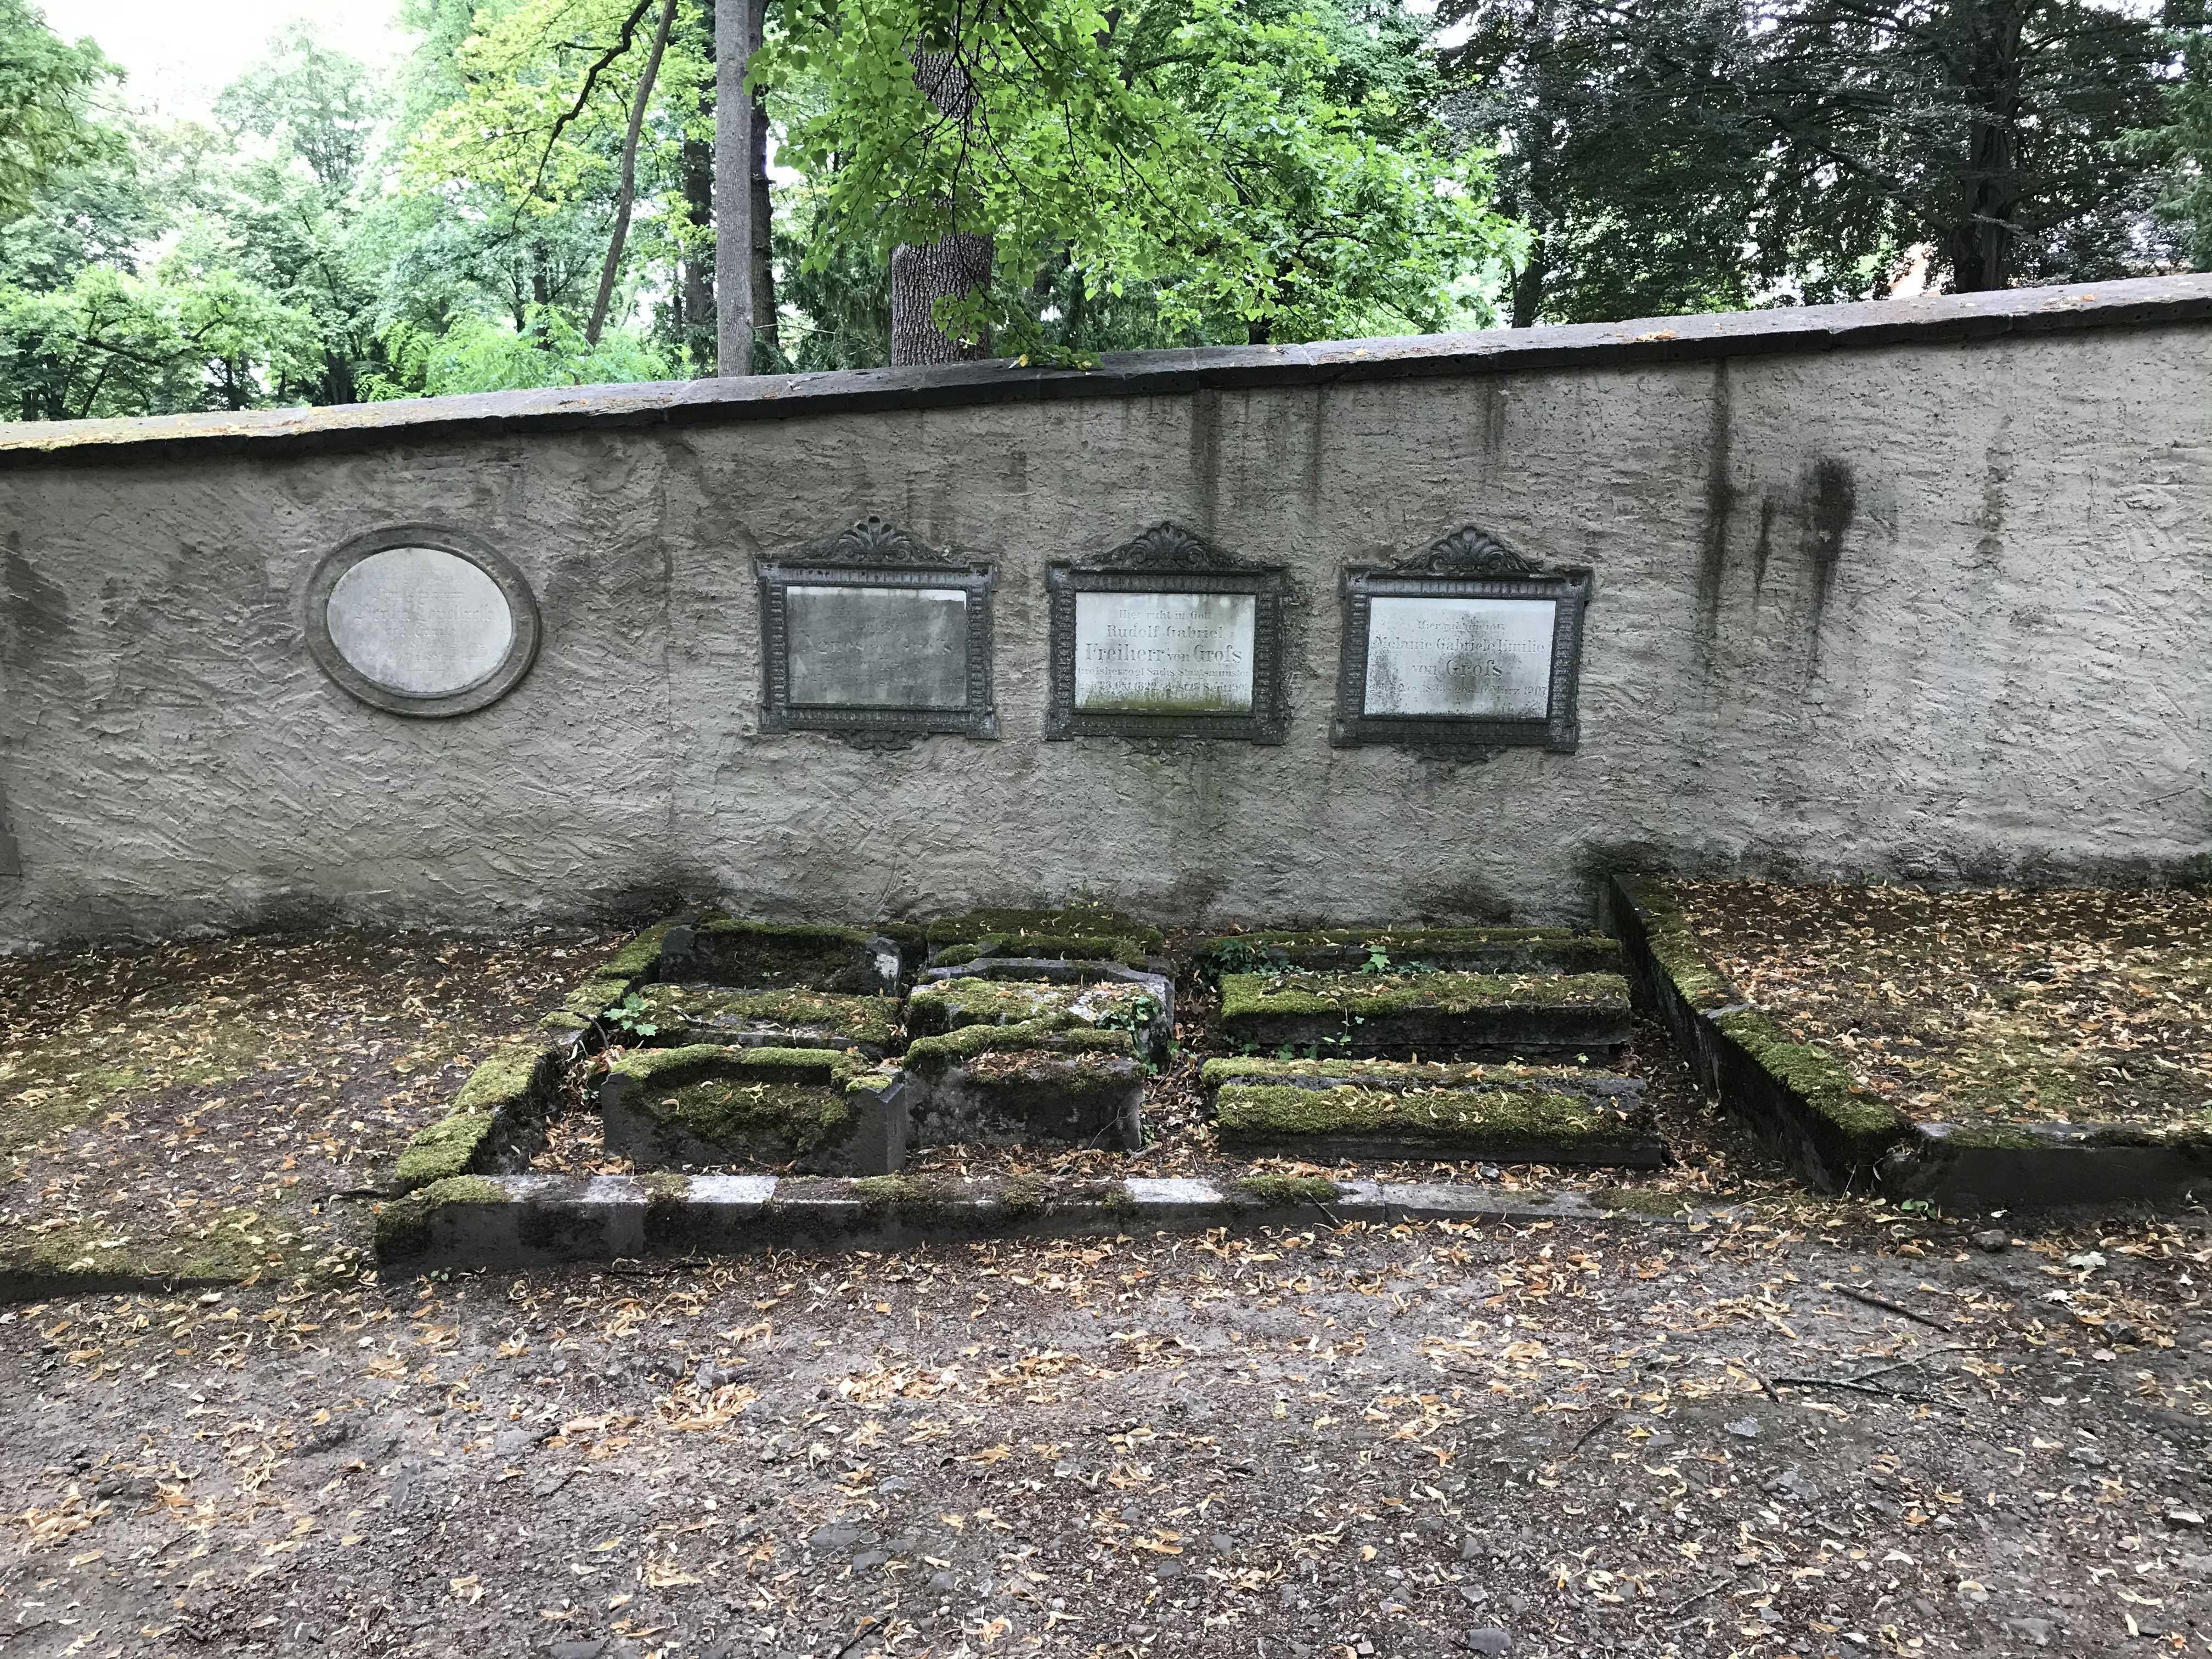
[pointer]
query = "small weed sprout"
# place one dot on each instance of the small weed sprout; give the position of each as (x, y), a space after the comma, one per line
(631, 1015)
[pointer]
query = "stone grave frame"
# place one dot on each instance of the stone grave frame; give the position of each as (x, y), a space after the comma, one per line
(1169, 559)
(874, 554)
(487, 688)
(1468, 564)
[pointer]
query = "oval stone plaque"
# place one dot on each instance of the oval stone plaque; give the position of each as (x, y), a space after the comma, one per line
(421, 621)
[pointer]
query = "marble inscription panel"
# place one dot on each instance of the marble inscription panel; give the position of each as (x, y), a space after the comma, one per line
(420, 619)
(1468, 658)
(877, 647)
(1165, 653)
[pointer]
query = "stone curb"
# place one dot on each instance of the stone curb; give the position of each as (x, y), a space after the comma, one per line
(539, 1220)
(2153, 301)
(2020, 1166)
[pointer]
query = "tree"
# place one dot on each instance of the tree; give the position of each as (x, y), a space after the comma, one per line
(1200, 153)
(45, 84)
(2178, 149)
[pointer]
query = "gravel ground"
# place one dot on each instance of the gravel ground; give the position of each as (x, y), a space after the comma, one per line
(1536, 1441)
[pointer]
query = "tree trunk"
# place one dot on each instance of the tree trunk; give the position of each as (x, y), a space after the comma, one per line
(763, 253)
(695, 286)
(922, 273)
(956, 263)
(1978, 247)
(1529, 282)
(627, 196)
(737, 145)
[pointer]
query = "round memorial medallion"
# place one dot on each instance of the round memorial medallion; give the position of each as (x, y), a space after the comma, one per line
(422, 620)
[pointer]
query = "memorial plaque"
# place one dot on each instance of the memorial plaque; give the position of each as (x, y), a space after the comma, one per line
(1468, 644)
(1167, 637)
(1164, 652)
(872, 635)
(422, 620)
(878, 648)
(1461, 658)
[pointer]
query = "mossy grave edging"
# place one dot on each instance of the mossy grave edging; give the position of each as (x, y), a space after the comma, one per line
(825, 1109)
(539, 1221)
(498, 1120)
(1360, 1015)
(1802, 1098)
(1453, 950)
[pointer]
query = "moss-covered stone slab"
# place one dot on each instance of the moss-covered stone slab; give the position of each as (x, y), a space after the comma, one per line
(1043, 947)
(792, 1019)
(1327, 1111)
(1442, 1015)
(1025, 930)
(732, 951)
(498, 1120)
(1056, 995)
(1453, 950)
(820, 1110)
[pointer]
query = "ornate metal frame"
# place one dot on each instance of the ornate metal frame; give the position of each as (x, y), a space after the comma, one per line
(521, 605)
(1466, 564)
(1169, 559)
(874, 553)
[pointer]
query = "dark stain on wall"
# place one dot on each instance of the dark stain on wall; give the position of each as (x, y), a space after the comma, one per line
(36, 608)
(1831, 498)
(1493, 424)
(11, 860)
(1763, 548)
(1721, 494)
(1206, 454)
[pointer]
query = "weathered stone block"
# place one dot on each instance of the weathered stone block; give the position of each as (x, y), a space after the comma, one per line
(1050, 994)
(819, 1110)
(732, 951)
(1462, 1016)
(796, 1018)
(1453, 950)
(1333, 1109)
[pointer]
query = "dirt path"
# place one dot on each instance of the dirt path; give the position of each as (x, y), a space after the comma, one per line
(1541, 1441)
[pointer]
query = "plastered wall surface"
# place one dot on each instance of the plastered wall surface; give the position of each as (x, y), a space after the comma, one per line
(1932, 609)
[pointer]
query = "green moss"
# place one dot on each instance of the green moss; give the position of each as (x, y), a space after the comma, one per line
(793, 1118)
(1118, 1201)
(56, 1083)
(805, 934)
(1392, 1074)
(932, 1055)
(665, 1191)
(1365, 995)
(914, 1198)
(874, 1020)
(1068, 947)
(563, 1022)
(447, 1147)
(1272, 1192)
(1023, 1197)
(1815, 1076)
(947, 1005)
(594, 997)
(236, 1246)
(1082, 919)
(638, 959)
(669, 1068)
(1674, 946)
(507, 1081)
(1247, 1112)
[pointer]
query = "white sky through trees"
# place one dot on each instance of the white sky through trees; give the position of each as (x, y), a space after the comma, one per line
(180, 53)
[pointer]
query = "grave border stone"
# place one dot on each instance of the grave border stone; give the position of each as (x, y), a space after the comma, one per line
(514, 586)
(1468, 563)
(1169, 559)
(873, 552)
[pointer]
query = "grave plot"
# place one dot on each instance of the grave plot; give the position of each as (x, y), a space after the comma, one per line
(1334, 1109)
(2008, 1046)
(1440, 1014)
(1036, 1051)
(819, 1111)
(1456, 949)
(675, 1015)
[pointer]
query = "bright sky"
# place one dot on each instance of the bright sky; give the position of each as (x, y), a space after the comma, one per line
(182, 53)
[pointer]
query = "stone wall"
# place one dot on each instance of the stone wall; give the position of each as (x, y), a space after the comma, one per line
(1919, 590)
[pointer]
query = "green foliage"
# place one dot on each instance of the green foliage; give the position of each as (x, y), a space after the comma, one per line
(1184, 169)
(481, 353)
(631, 1015)
(45, 83)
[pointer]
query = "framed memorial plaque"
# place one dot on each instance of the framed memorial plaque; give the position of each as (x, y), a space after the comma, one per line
(1167, 637)
(875, 633)
(1468, 644)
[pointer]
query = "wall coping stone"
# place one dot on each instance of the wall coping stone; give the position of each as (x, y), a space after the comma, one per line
(1930, 320)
